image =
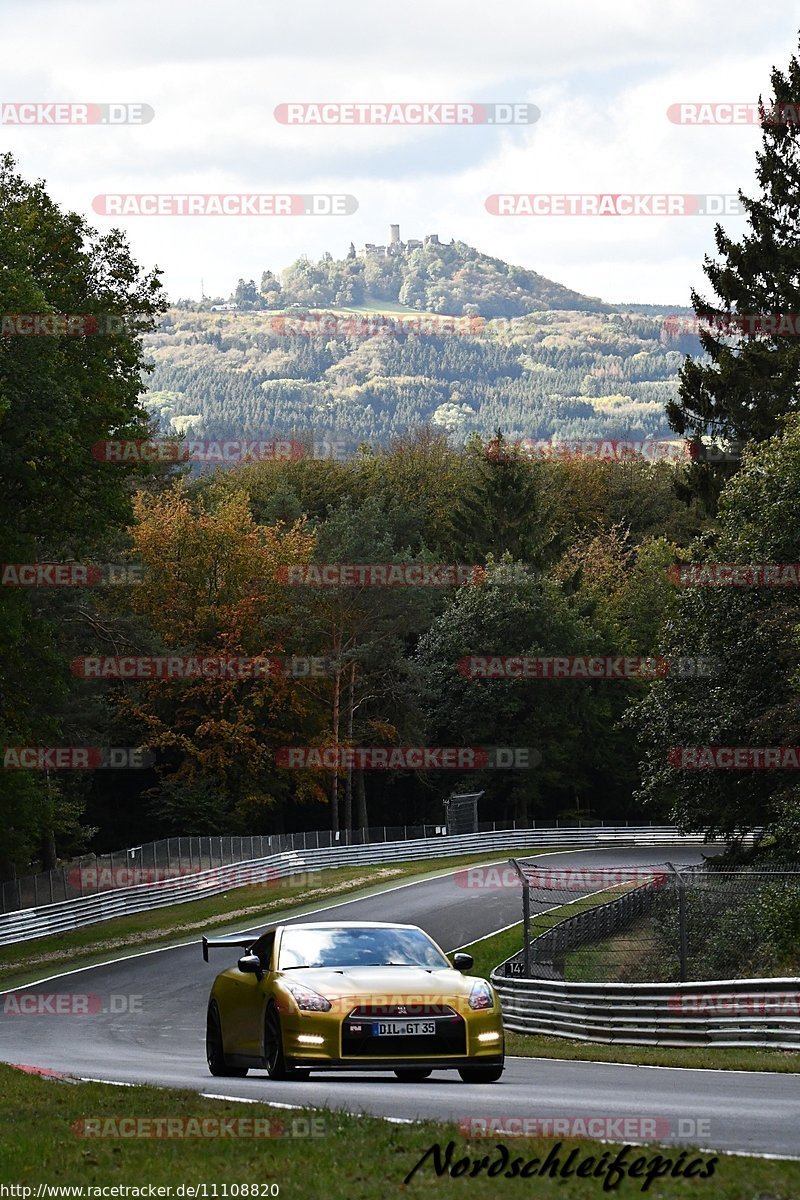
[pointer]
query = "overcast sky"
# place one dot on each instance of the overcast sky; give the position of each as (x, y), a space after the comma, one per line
(602, 73)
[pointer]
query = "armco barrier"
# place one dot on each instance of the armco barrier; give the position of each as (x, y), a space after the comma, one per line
(727, 1012)
(24, 925)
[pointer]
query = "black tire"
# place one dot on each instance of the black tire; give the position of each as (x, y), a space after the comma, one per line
(481, 1074)
(215, 1053)
(412, 1074)
(274, 1059)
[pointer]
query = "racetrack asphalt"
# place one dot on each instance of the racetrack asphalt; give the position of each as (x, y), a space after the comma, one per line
(146, 1024)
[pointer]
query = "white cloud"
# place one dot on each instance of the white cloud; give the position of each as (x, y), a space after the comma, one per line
(603, 73)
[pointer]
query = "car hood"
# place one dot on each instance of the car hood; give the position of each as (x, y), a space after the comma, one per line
(384, 985)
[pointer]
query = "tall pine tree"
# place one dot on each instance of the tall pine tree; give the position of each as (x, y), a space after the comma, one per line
(503, 510)
(752, 376)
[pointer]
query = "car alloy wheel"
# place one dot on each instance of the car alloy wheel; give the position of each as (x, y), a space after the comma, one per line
(274, 1059)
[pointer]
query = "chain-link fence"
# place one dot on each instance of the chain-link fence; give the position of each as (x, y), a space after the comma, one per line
(660, 924)
(171, 858)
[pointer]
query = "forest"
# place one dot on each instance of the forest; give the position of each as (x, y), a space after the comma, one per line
(528, 355)
(353, 591)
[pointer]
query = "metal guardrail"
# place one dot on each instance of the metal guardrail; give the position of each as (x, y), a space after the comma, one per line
(172, 857)
(40, 921)
(728, 1012)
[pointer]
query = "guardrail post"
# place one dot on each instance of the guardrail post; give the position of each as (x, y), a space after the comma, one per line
(526, 917)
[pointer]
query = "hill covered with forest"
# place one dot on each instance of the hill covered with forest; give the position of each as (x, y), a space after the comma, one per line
(337, 348)
(430, 276)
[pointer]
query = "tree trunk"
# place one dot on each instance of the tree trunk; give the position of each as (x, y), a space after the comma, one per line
(337, 686)
(361, 796)
(47, 851)
(348, 783)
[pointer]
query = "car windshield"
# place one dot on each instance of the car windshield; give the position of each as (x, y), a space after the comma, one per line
(363, 947)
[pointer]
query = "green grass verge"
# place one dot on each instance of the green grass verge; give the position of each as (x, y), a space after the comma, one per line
(608, 960)
(351, 1158)
(240, 908)
(718, 1058)
(490, 952)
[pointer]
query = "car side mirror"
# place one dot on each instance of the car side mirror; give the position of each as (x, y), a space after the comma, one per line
(250, 964)
(463, 962)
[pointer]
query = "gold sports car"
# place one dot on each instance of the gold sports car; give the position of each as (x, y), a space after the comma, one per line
(352, 996)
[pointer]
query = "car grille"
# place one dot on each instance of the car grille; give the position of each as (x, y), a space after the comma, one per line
(358, 1040)
(409, 1011)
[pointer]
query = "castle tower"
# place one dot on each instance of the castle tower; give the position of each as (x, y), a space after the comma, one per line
(394, 235)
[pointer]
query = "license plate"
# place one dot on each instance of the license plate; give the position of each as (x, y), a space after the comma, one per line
(402, 1028)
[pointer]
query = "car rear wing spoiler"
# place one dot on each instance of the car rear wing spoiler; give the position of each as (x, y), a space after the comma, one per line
(236, 939)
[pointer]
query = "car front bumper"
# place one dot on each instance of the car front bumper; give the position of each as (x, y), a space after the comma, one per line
(345, 1043)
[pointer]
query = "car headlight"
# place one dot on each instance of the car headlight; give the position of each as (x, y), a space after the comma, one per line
(481, 995)
(306, 999)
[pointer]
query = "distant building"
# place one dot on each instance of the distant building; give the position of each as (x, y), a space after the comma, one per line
(396, 246)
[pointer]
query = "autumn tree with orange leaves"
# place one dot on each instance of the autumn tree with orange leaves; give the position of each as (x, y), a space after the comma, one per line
(211, 590)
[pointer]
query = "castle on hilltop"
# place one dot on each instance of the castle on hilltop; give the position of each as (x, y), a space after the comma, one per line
(396, 246)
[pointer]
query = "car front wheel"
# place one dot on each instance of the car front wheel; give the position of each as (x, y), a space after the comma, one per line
(274, 1059)
(215, 1053)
